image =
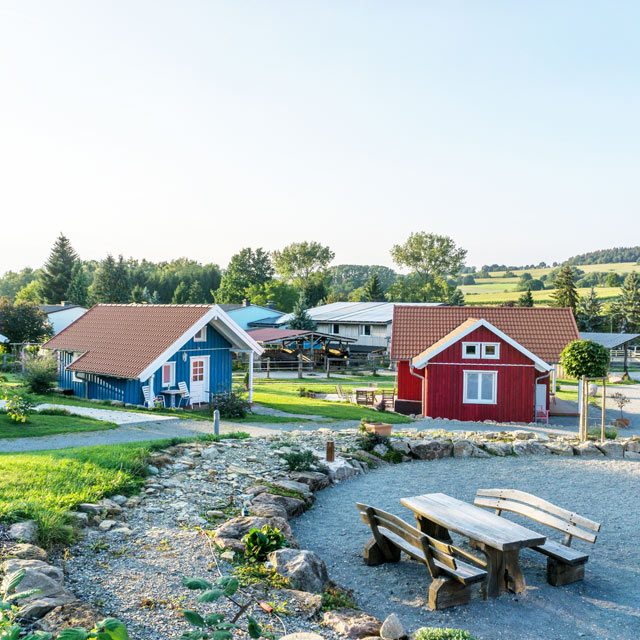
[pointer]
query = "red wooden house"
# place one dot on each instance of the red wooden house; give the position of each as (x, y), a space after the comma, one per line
(478, 363)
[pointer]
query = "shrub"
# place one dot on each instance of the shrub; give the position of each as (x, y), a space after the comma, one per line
(40, 372)
(333, 597)
(368, 440)
(610, 433)
(259, 543)
(301, 460)
(585, 358)
(433, 633)
(54, 411)
(230, 405)
(17, 407)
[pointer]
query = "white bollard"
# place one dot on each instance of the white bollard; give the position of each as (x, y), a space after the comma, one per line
(216, 422)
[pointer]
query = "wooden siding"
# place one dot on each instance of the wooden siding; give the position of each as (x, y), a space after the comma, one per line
(98, 387)
(409, 387)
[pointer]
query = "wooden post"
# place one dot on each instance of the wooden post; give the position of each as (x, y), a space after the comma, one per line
(300, 366)
(604, 408)
(328, 367)
(330, 454)
(268, 368)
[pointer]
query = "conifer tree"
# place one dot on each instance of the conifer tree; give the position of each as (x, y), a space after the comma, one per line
(373, 291)
(301, 319)
(78, 291)
(626, 308)
(111, 281)
(590, 312)
(456, 299)
(566, 294)
(58, 270)
(526, 299)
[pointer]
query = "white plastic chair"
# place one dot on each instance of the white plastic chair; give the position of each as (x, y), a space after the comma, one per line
(151, 400)
(184, 394)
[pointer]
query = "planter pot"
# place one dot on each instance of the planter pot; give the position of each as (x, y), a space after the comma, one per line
(379, 428)
(621, 423)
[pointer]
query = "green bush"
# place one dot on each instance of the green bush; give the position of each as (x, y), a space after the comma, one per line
(230, 405)
(585, 358)
(17, 408)
(40, 373)
(54, 411)
(368, 440)
(259, 543)
(334, 597)
(301, 460)
(437, 633)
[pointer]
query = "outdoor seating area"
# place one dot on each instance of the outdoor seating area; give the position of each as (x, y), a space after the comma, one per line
(454, 570)
(370, 396)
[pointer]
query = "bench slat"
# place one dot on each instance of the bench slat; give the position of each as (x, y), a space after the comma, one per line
(560, 552)
(535, 514)
(535, 501)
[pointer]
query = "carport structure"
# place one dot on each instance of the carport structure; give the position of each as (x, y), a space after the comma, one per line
(619, 344)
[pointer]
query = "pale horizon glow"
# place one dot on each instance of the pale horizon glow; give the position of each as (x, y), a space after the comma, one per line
(192, 129)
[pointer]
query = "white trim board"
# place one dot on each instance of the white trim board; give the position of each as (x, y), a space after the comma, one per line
(422, 359)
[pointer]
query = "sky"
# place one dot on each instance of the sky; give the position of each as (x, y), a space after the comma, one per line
(166, 129)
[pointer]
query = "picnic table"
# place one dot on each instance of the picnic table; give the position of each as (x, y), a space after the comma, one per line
(365, 395)
(499, 539)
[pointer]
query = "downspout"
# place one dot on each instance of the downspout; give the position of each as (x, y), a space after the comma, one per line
(416, 375)
(535, 386)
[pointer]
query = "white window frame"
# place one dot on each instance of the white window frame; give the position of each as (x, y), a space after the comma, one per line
(333, 328)
(201, 335)
(172, 377)
(479, 400)
(362, 330)
(476, 356)
(495, 356)
(74, 377)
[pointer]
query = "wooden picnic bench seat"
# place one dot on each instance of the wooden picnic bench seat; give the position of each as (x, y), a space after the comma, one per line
(451, 577)
(564, 563)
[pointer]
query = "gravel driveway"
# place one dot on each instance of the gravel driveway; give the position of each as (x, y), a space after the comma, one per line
(605, 605)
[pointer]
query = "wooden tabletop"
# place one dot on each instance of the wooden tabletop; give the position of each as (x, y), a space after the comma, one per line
(473, 522)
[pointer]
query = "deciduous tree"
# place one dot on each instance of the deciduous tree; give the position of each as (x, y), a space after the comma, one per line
(299, 260)
(23, 322)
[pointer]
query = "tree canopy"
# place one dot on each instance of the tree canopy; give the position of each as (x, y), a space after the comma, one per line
(23, 322)
(585, 358)
(299, 260)
(429, 255)
(58, 270)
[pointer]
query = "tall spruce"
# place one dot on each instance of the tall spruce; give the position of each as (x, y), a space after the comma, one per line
(58, 270)
(373, 291)
(526, 299)
(301, 319)
(566, 293)
(111, 281)
(78, 291)
(590, 312)
(456, 299)
(626, 308)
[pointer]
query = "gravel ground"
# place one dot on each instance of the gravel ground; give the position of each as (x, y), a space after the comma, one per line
(605, 605)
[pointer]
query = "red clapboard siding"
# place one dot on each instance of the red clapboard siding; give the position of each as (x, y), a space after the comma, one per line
(409, 387)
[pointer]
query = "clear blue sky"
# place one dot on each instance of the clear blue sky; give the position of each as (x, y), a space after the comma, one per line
(163, 129)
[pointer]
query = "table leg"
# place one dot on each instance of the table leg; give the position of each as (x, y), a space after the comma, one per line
(432, 529)
(514, 578)
(503, 571)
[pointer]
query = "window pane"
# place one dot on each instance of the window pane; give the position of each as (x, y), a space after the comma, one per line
(490, 350)
(166, 374)
(470, 349)
(472, 386)
(487, 386)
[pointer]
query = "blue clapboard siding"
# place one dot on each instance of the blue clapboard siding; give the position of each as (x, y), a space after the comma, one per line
(100, 387)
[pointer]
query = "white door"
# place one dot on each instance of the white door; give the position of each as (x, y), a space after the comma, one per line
(541, 397)
(199, 379)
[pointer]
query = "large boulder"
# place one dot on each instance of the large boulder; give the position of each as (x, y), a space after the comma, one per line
(352, 623)
(340, 469)
(315, 480)
(612, 449)
(25, 531)
(430, 449)
(305, 570)
(468, 449)
(297, 487)
(68, 616)
(293, 506)
(559, 448)
(497, 448)
(301, 603)
(587, 450)
(392, 628)
(633, 445)
(229, 535)
(25, 551)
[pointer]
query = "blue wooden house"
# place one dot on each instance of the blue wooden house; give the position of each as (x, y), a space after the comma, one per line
(115, 351)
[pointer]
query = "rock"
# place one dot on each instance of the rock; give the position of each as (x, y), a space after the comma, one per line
(237, 528)
(352, 623)
(587, 450)
(302, 635)
(430, 449)
(78, 519)
(498, 448)
(36, 609)
(523, 435)
(25, 531)
(340, 470)
(633, 445)
(539, 449)
(119, 500)
(559, 448)
(380, 449)
(69, 616)
(298, 487)
(293, 506)
(612, 449)
(105, 525)
(523, 448)
(305, 604)
(392, 628)
(152, 470)
(631, 455)
(305, 570)
(25, 551)
(91, 509)
(313, 479)
(365, 460)
(210, 453)
(468, 449)
(125, 532)
(268, 511)
(110, 507)
(400, 445)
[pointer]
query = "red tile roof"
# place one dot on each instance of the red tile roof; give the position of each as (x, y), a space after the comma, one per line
(122, 340)
(545, 331)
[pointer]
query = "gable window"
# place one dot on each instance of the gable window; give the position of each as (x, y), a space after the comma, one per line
(491, 350)
(470, 350)
(480, 387)
(335, 328)
(201, 336)
(365, 329)
(168, 374)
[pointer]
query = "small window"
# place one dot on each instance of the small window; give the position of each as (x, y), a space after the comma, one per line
(480, 387)
(470, 350)
(365, 330)
(201, 336)
(168, 374)
(335, 328)
(491, 350)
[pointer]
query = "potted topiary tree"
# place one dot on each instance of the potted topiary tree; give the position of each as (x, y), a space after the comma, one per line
(621, 402)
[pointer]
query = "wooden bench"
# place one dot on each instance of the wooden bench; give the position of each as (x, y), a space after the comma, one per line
(451, 577)
(564, 564)
(388, 399)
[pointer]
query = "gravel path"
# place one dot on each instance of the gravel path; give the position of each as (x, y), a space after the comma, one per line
(606, 605)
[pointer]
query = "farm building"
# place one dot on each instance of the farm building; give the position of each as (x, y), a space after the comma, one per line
(61, 315)
(478, 363)
(115, 351)
(367, 323)
(247, 315)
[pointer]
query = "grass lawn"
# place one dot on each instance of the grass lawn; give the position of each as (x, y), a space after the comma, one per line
(43, 485)
(283, 395)
(45, 425)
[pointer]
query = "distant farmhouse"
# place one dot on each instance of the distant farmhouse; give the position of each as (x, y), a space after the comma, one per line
(368, 323)
(148, 353)
(478, 363)
(61, 315)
